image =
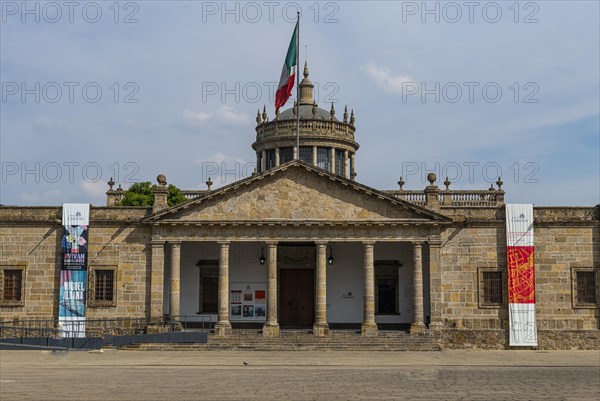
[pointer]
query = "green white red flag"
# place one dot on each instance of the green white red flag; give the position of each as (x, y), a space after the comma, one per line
(288, 73)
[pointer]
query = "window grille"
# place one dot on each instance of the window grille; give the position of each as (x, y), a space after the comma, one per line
(492, 287)
(13, 282)
(586, 287)
(104, 286)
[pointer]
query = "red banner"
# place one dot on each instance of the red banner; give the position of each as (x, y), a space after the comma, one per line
(521, 284)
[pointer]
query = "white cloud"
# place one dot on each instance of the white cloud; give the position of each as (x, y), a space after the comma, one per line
(225, 114)
(384, 77)
(232, 116)
(95, 190)
(200, 117)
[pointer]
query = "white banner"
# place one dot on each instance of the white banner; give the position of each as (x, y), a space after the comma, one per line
(521, 275)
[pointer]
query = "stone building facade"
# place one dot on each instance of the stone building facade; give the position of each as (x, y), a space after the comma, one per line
(301, 243)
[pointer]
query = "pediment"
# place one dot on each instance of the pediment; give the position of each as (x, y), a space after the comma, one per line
(296, 192)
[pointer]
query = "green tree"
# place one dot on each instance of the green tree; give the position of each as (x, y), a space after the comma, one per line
(140, 194)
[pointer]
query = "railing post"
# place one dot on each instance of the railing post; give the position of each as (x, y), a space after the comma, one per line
(432, 193)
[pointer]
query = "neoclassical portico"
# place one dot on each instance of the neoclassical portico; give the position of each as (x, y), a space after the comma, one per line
(287, 206)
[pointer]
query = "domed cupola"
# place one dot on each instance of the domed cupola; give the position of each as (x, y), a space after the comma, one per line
(325, 141)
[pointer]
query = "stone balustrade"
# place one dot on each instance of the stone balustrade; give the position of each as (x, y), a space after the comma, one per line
(454, 198)
(280, 128)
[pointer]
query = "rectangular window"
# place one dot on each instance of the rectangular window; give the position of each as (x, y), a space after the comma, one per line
(12, 285)
(286, 155)
(492, 287)
(585, 287)
(102, 286)
(104, 289)
(323, 158)
(270, 159)
(306, 153)
(339, 162)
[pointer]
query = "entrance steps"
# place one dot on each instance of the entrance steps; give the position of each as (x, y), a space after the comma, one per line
(303, 340)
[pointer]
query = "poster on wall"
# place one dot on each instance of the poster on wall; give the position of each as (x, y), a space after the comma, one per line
(521, 275)
(248, 302)
(73, 270)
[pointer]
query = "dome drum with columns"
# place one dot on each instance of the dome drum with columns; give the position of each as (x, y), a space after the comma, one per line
(325, 141)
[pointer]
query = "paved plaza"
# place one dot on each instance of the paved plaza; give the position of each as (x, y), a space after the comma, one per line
(211, 375)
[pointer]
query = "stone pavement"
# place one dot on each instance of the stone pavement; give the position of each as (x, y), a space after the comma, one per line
(449, 375)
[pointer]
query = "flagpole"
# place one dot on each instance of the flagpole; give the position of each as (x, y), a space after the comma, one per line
(298, 89)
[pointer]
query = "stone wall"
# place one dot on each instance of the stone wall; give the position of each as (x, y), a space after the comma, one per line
(565, 239)
(498, 339)
(30, 237)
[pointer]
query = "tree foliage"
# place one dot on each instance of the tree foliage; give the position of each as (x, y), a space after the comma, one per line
(140, 194)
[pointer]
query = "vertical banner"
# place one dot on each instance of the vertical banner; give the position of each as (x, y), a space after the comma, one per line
(73, 271)
(521, 275)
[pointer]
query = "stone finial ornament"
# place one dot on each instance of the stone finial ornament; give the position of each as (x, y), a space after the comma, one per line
(258, 120)
(305, 69)
(431, 177)
(209, 183)
(264, 114)
(499, 183)
(119, 189)
(401, 183)
(314, 109)
(295, 109)
(346, 114)
(162, 180)
(352, 118)
(277, 114)
(332, 111)
(447, 183)
(111, 183)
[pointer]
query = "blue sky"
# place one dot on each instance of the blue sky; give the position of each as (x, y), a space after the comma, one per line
(425, 87)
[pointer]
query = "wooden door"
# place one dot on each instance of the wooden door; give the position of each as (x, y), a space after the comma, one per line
(296, 297)
(210, 294)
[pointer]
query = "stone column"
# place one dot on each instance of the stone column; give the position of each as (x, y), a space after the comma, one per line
(175, 300)
(333, 160)
(435, 285)
(271, 327)
(277, 156)
(418, 325)
(369, 327)
(321, 328)
(352, 172)
(263, 161)
(157, 280)
(346, 172)
(296, 153)
(258, 163)
(314, 154)
(223, 326)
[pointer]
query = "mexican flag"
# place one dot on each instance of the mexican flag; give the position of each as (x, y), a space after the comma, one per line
(288, 73)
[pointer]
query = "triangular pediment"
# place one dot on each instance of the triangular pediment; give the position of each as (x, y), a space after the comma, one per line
(299, 192)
